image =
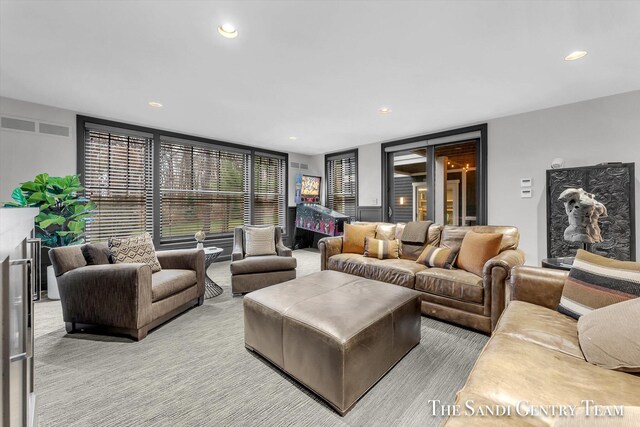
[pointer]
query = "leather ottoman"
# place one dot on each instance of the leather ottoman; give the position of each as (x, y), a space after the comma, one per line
(335, 333)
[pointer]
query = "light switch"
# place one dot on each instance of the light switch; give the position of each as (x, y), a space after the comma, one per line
(526, 193)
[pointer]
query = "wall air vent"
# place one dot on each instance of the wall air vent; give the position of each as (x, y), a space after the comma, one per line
(54, 129)
(17, 124)
(295, 165)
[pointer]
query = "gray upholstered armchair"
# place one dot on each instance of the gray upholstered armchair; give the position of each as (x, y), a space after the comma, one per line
(126, 298)
(250, 273)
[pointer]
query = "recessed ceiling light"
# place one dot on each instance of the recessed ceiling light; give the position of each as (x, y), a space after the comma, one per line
(293, 138)
(575, 55)
(155, 104)
(384, 110)
(228, 31)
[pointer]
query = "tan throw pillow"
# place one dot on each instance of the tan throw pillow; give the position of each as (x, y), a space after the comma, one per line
(381, 249)
(609, 336)
(432, 256)
(260, 241)
(354, 235)
(595, 282)
(386, 231)
(134, 249)
(477, 249)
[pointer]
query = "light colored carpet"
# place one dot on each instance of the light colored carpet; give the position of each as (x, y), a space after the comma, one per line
(195, 371)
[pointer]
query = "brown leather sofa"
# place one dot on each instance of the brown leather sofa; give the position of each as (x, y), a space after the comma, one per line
(127, 298)
(250, 273)
(453, 295)
(534, 356)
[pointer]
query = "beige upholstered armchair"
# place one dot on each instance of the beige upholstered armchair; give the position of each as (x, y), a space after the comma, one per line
(126, 298)
(253, 272)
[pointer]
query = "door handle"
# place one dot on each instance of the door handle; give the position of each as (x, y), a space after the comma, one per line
(28, 312)
(37, 279)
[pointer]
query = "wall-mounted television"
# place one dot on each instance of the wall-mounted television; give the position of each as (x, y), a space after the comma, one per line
(310, 186)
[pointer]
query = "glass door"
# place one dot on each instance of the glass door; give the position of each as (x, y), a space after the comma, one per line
(407, 185)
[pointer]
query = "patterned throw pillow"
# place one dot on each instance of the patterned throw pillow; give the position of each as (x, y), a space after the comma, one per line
(595, 282)
(134, 249)
(354, 235)
(433, 256)
(381, 249)
(260, 240)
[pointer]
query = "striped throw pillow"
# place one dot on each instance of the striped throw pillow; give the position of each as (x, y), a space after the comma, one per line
(433, 256)
(595, 282)
(381, 249)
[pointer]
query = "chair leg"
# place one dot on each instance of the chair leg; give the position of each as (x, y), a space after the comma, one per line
(70, 327)
(201, 300)
(140, 334)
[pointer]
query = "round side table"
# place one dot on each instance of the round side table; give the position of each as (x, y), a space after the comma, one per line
(211, 288)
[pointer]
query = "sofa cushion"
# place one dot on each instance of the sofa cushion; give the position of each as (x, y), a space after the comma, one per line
(66, 258)
(415, 232)
(96, 253)
(167, 282)
(456, 284)
(609, 336)
(595, 282)
(263, 264)
(542, 326)
(137, 249)
(385, 231)
(476, 249)
(354, 235)
(259, 241)
(381, 249)
(396, 271)
(433, 256)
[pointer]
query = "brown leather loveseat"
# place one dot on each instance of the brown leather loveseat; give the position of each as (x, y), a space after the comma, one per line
(453, 295)
(534, 360)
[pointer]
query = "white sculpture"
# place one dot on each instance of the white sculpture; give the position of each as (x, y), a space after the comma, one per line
(200, 236)
(583, 211)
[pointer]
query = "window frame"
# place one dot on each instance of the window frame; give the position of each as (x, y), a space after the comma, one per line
(224, 240)
(332, 156)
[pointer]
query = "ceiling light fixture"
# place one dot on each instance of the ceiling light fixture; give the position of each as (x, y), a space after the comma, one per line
(293, 138)
(384, 110)
(575, 55)
(228, 31)
(155, 104)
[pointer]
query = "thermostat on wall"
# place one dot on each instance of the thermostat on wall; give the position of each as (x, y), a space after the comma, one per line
(526, 182)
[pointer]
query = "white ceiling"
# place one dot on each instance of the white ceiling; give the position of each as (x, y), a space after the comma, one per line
(318, 70)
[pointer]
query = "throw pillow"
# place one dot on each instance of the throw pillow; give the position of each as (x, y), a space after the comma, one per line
(96, 254)
(609, 336)
(595, 282)
(354, 235)
(433, 256)
(260, 241)
(381, 249)
(476, 249)
(416, 232)
(386, 231)
(135, 249)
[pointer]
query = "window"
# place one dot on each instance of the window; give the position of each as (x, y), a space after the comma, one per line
(342, 182)
(201, 188)
(269, 181)
(172, 185)
(117, 176)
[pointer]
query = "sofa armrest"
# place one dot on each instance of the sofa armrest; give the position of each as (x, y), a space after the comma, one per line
(185, 259)
(282, 250)
(536, 285)
(495, 277)
(237, 253)
(116, 295)
(329, 246)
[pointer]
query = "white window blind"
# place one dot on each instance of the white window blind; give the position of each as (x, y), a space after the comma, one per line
(201, 188)
(342, 183)
(118, 178)
(269, 180)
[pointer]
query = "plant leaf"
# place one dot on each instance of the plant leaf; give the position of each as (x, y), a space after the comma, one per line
(42, 179)
(30, 186)
(18, 196)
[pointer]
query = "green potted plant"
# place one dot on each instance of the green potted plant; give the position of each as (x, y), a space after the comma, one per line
(63, 216)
